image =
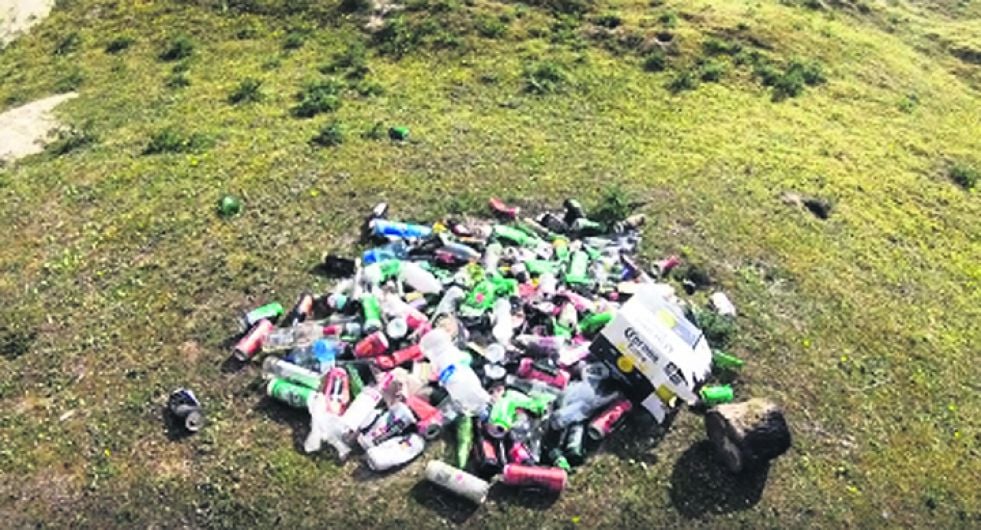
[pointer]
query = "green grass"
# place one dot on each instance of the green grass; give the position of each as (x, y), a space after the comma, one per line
(120, 283)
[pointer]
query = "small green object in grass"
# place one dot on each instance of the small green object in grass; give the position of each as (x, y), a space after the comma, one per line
(399, 133)
(229, 205)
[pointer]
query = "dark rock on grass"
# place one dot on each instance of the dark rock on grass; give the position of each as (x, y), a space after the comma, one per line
(819, 207)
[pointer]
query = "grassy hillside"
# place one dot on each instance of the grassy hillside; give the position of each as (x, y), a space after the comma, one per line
(119, 283)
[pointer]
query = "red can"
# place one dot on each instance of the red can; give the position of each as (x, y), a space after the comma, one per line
(548, 478)
(372, 345)
(526, 368)
(430, 422)
(303, 308)
(337, 388)
(519, 454)
(415, 318)
(252, 341)
(604, 423)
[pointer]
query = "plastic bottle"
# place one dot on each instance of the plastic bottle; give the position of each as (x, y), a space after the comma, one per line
(394, 250)
(394, 306)
(298, 336)
(274, 367)
(492, 256)
(579, 402)
(360, 410)
(547, 284)
(420, 279)
(451, 299)
(395, 452)
(320, 356)
(439, 349)
(386, 228)
(464, 387)
(503, 326)
(460, 252)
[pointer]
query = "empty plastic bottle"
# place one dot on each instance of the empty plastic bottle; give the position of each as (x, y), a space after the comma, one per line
(457, 378)
(503, 325)
(273, 367)
(395, 452)
(420, 279)
(298, 336)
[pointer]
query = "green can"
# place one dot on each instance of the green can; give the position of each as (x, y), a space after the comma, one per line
(716, 394)
(513, 234)
(577, 273)
(229, 205)
(561, 331)
(464, 440)
(354, 380)
(726, 361)
(594, 322)
(399, 132)
(292, 394)
(371, 310)
(537, 267)
(271, 312)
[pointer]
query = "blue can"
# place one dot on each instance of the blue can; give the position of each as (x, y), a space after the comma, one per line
(386, 228)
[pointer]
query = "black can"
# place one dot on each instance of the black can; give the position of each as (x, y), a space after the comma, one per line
(184, 405)
(574, 443)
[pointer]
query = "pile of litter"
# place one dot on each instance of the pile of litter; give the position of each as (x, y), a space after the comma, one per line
(529, 339)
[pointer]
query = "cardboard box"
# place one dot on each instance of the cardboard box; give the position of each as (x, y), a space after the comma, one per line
(655, 352)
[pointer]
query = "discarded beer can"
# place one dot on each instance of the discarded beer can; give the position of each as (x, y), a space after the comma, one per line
(184, 405)
(457, 481)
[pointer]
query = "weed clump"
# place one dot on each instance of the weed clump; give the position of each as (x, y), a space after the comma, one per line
(294, 40)
(685, 80)
(376, 132)
(655, 61)
(170, 140)
(330, 135)
(70, 81)
(396, 38)
(791, 81)
(545, 77)
(68, 44)
(177, 81)
(608, 20)
(119, 44)
(711, 71)
(964, 176)
(318, 98)
(249, 90)
(354, 60)
(491, 27)
(715, 46)
(71, 139)
(614, 207)
(178, 48)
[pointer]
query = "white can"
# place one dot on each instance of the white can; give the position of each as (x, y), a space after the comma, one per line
(457, 481)
(722, 304)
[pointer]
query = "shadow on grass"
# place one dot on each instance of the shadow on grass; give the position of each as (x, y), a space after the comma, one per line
(297, 419)
(637, 438)
(445, 504)
(701, 485)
